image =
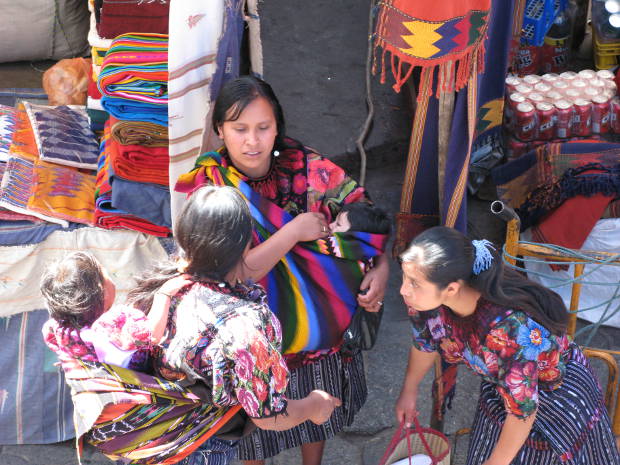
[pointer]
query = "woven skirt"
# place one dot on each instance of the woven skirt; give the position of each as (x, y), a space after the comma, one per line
(342, 377)
(571, 427)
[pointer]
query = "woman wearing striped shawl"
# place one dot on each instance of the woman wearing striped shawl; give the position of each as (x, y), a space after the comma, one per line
(312, 278)
(540, 403)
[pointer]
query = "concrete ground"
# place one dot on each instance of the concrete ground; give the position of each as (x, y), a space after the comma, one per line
(314, 56)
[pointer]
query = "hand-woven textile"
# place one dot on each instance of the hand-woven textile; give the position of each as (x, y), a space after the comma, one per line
(313, 289)
(122, 16)
(448, 35)
(8, 123)
(63, 192)
(139, 133)
(139, 163)
(63, 135)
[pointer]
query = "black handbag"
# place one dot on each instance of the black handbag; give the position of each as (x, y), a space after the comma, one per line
(362, 331)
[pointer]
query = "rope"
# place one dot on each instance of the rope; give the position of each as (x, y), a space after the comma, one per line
(594, 264)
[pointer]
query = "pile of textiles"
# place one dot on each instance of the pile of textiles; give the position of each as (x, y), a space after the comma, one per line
(99, 46)
(35, 186)
(134, 78)
(132, 173)
(123, 203)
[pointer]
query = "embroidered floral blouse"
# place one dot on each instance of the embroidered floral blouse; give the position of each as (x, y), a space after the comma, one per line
(506, 347)
(229, 339)
(121, 336)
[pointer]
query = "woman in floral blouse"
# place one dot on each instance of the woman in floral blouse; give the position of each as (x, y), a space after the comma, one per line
(540, 403)
(220, 332)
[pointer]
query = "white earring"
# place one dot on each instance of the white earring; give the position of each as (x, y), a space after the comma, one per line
(276, 153)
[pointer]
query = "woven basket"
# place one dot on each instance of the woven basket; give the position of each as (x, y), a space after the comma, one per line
(410, 441)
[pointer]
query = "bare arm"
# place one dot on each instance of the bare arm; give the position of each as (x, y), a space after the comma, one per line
(304, 227)
(158, 315)
(514, 433)
(419, 364)
(316, 407)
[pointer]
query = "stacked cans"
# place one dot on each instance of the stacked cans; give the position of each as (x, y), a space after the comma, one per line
(562, 106)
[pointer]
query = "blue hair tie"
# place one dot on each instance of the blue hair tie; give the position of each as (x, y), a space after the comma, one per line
(484, 257)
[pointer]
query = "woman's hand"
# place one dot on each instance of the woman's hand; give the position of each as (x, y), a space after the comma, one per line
(406, 406)
(374, 284)
(324, 404)
(310, 226)
(174, 285)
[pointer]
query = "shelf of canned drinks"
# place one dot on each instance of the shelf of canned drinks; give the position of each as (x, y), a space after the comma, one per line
(560, 106)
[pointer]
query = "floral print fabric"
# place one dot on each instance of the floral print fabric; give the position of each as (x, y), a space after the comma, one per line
(230, 340)
(505, 347)
(124, 327)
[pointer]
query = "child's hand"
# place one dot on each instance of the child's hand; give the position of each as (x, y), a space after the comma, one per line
(174, 285)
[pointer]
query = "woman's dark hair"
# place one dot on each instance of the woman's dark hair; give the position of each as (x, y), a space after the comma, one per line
(367, 218)
(73, 290)
(445, 255)
(237, 94)
(212, 232)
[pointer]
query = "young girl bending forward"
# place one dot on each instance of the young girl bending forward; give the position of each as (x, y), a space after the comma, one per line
(84, 322)
(540, 403)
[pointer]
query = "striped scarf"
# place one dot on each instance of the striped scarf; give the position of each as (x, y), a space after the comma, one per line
(313, 288)
(139, 418)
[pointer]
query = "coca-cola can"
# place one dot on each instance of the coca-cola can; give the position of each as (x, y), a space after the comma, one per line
(605, 74)
(563, 118)
(610, 85)
(582, 118)
(590, 92)
(513, 100)
(545, 115)
(531, 79)
(572, 93)
(578, 83)
(614, 113)
(516, 148)
(511, 83)
(568, 75)
(523, 89)
(525, 122)
(535, 97)
(553, 95)
(587, 74)
(601, 118)
(560, 84)
(596, 82)
(542, 87)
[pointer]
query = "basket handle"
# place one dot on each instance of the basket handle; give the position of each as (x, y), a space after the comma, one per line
(418, 429)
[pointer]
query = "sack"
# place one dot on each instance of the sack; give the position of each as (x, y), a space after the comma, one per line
(66, 83)
(409, 441)
(362, 331)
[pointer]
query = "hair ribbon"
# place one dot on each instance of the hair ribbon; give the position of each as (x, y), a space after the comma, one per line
(484, 257)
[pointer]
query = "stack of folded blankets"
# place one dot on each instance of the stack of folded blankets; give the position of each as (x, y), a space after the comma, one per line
(132, 174)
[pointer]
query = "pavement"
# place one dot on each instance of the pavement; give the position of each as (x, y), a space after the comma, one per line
(314, 57)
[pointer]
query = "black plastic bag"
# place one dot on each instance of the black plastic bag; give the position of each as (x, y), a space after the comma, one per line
(362, 331)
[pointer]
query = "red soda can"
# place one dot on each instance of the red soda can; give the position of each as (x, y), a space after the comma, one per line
(531, 79)
(535, 97)
(582, 118)
(587, 74)
(516, 148)
(572, 93)
(596, 82)
(513, 100)
(542, 87)
(605, 74)
(553, 95)
(590, 92)
(545, 115)
(560, 85)
(563, 118)
(550, 77)
(524, 89)
(601, 118)
(614, 112)
(578, 83)
(511, 83)
(568, 75)
(525, 122)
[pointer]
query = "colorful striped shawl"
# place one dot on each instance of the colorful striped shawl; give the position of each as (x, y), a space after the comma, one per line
(139, 418)
(313, 288)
